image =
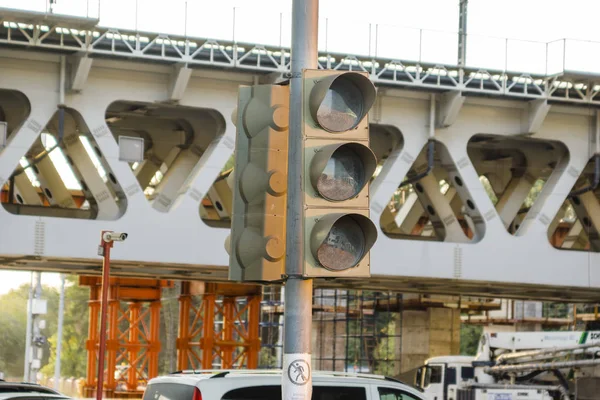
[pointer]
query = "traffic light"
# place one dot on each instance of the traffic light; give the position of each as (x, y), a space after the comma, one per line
(256, 245)
(338, 165)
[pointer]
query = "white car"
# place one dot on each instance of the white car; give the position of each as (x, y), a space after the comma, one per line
(266, 385)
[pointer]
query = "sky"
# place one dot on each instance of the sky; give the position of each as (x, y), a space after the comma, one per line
(405, 29)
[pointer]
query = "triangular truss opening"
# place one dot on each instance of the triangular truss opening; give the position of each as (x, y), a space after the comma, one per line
(175, 139)
(432, 203)
(513, 172)
(64, 174)
(577, 224)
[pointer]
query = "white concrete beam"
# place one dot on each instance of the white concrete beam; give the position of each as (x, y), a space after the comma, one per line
(442, 218)
(108, 208)
(179, 82)
(513, 197)
(52, 184)
(409, 214)
(587, 209)
(146, 171)
(80, 69)
(25, 189)
(534, 115)
(450, 105)
(575, 239)
(168, 188)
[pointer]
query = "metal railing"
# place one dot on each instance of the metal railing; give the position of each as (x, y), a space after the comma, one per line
(190, 18)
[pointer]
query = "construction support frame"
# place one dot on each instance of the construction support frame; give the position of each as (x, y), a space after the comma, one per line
(132, 336)
(218, 326)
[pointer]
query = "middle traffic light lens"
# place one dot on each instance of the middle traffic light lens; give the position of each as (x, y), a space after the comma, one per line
(342, 107)
(343, 176)
(344, 245)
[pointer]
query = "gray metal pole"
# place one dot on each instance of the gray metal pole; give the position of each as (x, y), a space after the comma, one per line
(462, 32)
(59, 334)
(28, 332)
(297, 373)
(35, 330)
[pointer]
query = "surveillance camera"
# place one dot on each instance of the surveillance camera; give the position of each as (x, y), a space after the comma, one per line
(114, 236)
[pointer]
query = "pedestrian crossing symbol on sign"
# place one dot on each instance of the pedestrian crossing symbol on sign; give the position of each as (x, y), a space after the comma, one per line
(299, 372)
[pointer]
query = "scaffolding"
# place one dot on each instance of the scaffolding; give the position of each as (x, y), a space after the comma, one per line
(133, 330)
(220, 328)
(353, 330)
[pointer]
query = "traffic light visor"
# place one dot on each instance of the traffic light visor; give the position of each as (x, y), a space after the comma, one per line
(339, 172)
(339, 102)
(341, 241)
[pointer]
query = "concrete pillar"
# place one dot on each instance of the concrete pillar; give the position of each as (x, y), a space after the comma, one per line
(428, 333)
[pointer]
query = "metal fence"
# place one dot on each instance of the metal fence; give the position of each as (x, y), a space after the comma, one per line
(352, 330)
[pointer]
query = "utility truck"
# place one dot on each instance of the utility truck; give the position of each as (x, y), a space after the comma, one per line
(518, 366)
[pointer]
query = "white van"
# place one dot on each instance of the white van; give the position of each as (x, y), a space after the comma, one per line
(266, 385)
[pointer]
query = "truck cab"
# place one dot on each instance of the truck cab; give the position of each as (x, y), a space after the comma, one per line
(439, 376)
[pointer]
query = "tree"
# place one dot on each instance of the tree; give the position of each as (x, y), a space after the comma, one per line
(13, 327)
(469, 339)
(13, 324)
(75, 332)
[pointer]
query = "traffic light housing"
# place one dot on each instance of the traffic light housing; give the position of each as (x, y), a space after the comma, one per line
(256, 244)
(338, 165)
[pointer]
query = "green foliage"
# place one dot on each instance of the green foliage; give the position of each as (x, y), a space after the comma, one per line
(267, 358)
(75, 332)
(13, 329)
(385, 352)
(469, 339)
(13, 323)
(534, 192)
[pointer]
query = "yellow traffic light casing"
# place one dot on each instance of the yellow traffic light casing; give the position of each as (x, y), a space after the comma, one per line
(338, 165)
(256, 244)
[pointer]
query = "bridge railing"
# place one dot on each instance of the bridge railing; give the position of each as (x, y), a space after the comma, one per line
(187, 18)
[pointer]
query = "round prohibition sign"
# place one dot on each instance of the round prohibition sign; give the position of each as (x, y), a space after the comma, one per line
(299, 372)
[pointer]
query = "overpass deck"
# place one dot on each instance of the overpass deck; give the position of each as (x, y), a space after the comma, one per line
(126, 91)
(82, 36)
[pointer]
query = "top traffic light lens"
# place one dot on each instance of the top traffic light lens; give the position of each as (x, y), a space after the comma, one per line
(342, 107)
(339, 102)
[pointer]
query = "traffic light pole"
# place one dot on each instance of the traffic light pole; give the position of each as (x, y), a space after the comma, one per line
(297, 371)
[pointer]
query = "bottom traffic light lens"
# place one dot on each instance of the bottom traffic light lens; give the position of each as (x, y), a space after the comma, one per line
(344, 245)
(343, 176)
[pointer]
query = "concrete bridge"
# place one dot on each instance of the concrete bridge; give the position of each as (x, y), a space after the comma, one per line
(496, 216)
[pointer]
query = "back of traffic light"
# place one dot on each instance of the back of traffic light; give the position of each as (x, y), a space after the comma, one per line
(256, 244)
